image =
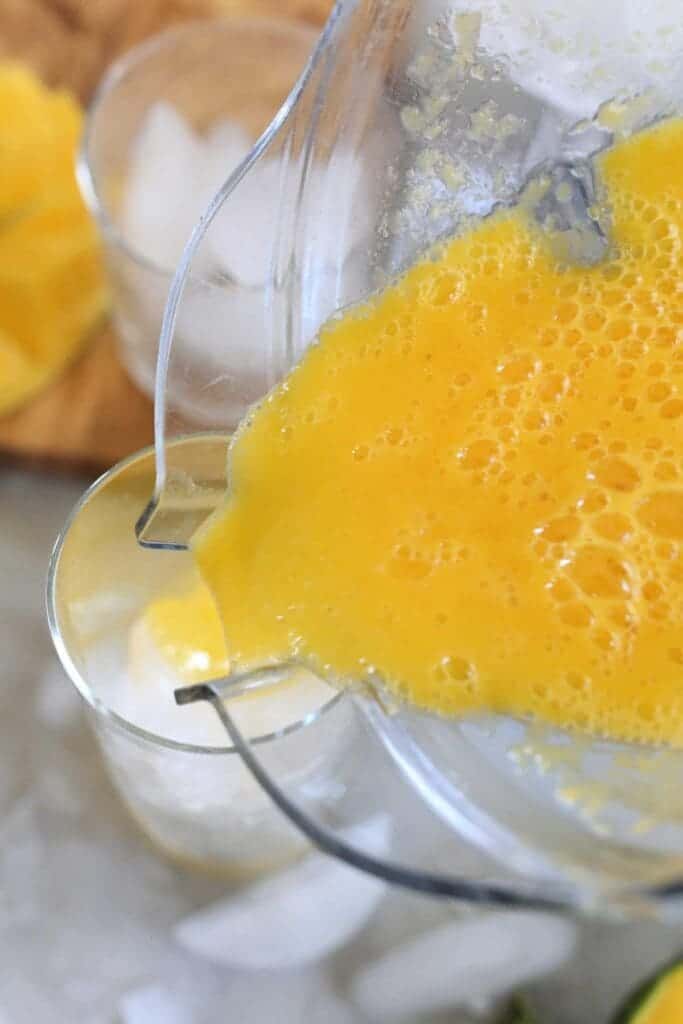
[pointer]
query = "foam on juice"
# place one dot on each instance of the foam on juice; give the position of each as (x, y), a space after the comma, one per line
(470, 487)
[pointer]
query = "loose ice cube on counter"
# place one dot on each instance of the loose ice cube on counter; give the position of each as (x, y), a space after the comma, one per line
(466, 964)
(294, 918)
(152, 1005)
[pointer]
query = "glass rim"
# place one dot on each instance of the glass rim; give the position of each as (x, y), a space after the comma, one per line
(77, 677)
(117, 73)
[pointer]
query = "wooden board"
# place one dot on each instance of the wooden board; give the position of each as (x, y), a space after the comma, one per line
(94, 415)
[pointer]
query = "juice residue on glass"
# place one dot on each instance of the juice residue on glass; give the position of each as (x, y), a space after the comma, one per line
(471, 486)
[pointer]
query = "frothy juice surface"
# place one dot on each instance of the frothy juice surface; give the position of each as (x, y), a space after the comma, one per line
(472, 485)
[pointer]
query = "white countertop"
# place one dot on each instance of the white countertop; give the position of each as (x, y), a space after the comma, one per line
(88, 910)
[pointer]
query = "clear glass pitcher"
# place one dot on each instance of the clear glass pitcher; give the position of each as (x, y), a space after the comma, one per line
(410, 120)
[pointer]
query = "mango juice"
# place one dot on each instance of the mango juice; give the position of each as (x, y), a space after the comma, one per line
(471, 486)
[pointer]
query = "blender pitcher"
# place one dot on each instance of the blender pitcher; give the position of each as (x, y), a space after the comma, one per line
(411, 121)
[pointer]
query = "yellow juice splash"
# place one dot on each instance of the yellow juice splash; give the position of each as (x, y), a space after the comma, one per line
(471, 485)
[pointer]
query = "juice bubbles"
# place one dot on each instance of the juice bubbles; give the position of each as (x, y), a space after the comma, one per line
(470, 487)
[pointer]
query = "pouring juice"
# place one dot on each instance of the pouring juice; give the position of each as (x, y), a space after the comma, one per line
(470, 487)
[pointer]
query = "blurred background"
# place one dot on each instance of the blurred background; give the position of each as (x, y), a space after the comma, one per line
(95, 927)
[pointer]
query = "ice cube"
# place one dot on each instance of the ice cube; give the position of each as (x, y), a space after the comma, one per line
(296, 918)
(165, 188)
(223, 149)
(174, 173)
(335, 215)
(337, 204)
(227, 144)
(295, 997)
(68, 946)
(222, 329)
(141, 690)
(241, 238)
(467, 964)
(153, 1005)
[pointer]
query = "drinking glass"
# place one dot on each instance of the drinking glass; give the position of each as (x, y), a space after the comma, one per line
(179, 776)
(167, 125)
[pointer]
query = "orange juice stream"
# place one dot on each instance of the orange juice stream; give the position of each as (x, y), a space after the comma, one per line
(471, 486)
